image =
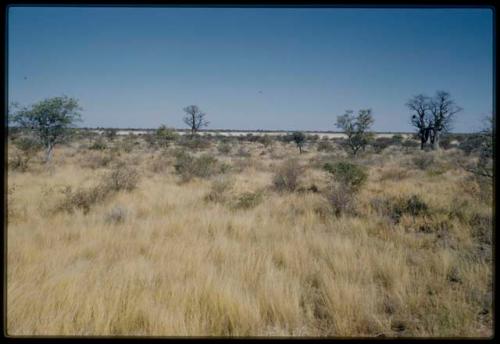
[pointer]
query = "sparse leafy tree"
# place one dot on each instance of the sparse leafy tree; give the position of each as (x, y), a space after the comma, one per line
(49, 120)
(110, 134)
(194, 118)
(356, 128)
(299, 138)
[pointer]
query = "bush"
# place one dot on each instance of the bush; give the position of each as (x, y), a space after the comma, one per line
(395, 208)
(287, 176)
(83, 198)
(27, 148)
(189, 167)
(381, 143)
(266, 140)
(219, 189)
(325, 146)
(98, 144)
(243, 153)
(471, 143)
(350, 175)
(194, 142)
(341, 199)
(224, 148)
(97, 160)
(122, 177)
(249, 200)
(410, 144)
(423, 161)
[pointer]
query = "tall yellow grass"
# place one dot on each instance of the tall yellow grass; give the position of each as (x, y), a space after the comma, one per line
(180, 265)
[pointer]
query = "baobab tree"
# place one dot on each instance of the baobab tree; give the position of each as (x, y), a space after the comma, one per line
(420, 119)
(194, 118)
(432, 116)
(442, 109)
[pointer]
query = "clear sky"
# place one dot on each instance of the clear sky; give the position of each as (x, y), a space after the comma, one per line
(251, 68)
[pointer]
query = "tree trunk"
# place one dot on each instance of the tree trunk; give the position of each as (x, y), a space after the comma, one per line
(300, 149)
(435, 140)
(48, 153)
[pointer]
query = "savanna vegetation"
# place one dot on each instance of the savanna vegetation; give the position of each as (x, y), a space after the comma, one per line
(188, 235)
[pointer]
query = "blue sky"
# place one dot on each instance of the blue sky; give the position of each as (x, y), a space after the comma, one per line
(251, 68)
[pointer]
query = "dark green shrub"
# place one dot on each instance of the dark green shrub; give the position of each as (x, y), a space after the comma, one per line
(350, 175)
(249, 200)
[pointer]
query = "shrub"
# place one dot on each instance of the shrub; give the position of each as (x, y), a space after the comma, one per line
(164, 136)
(97, 160)
(27, 147)
(249, 200)
(243, 153)
(83, 198)
(224, 148)
(395, 208)
(110, 134)
(410, 144)
(287, 176)
(413, 206)
(393, 174)
(219, 189)
(266, 140)
(471, 143)
(194, 142)
(423, 161)
(350, 175)
(325, 146)
(122, 177)
(381, 143)
(98, 144)
(341, 199)
(188, 166)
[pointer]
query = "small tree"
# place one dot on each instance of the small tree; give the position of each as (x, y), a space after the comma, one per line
(356, 128)
(110, 133)
(194, 118)
(49, 120)
(299, 138)
(164, 136)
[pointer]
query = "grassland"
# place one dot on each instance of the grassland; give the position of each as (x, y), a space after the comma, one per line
(229, 255)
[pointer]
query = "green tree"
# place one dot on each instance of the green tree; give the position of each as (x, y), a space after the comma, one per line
(356, 128)
(49, 120)
(299, 138)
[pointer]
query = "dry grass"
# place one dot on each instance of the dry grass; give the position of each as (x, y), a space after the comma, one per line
(180, 264)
